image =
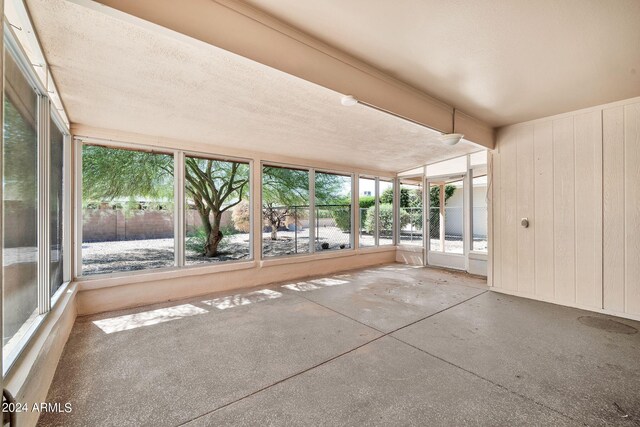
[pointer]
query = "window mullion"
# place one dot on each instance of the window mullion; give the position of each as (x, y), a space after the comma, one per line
(312, 211)
(44, 237)
(179, 230)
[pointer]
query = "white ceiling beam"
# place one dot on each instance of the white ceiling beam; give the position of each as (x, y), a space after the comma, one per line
(243, 30)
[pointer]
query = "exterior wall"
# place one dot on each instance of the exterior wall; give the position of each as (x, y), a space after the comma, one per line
(575, 177)
(455, 224)
(104, 225)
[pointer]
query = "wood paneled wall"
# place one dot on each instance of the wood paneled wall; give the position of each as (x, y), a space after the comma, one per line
(576, 177)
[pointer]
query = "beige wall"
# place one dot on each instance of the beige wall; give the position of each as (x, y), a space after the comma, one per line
(121, 292)
(576, 178)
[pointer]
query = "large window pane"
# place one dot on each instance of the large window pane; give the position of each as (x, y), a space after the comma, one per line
(285, 211)
(410, 213)
(454, 217)
(217, 210)
(446, 222)
(127, 210)
(436, 236)
(385, 212)
(479, 213)
(333, 211)
(56, 206)
(367, 211)
(20, 206)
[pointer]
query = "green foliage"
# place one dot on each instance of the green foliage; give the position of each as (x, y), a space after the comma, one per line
(386, 219)
(387, 196)
(109, 174)
(342, 217)
(285, 187)
(434, 195)
(117, 175)
(197, 239)
(332, 189)
(409, 197)
(367, 201)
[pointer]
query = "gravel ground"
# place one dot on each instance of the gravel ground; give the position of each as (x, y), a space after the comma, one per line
(131, 255)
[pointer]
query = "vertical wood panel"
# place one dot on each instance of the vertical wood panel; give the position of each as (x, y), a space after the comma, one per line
(509, 256)
(613, 208)
(543, 218)
(588, 208)
(564, 210)
(632, 207)
(525, 209)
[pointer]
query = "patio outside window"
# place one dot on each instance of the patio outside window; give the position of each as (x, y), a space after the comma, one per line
(285, 211)
(127, 210)
(410, 213)
(333, 213)
(217, 210)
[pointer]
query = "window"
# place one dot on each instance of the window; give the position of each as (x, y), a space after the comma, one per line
(410, 212)
(446, 216)
(56, 207)
(19, 206)
(385, 212)
(332, 211)
(479, 212)
(367, 211)
(217, 210)
(454, 217)
(127, 210)
(285, 211)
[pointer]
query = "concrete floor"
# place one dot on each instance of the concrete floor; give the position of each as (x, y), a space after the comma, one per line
(392, 345)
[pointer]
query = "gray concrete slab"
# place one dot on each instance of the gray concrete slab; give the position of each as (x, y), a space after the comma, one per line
(389, 297)
(166, 373)
(580, 363)
(384, 383)
(276, 356)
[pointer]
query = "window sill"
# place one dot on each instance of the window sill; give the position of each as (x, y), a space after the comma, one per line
(410, 248)
(483, 256)
(306, 258)
(119, 279)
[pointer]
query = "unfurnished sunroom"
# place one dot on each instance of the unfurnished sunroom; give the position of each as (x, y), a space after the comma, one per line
(339, 213)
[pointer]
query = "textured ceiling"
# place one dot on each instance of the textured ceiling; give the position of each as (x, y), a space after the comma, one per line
(502, 61)
(117, 75)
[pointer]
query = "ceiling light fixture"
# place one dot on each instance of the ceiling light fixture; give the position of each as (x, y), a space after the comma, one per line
(349, 100)
(447, 138)
(451, 138)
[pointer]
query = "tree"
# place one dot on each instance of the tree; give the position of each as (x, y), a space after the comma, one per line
(434, 195)
(434, 202)
(282, 189)
(285, 189)
(214, 186)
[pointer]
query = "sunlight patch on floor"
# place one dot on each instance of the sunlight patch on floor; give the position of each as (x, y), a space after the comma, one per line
(315, 284)
(237, 300)
(147, 318)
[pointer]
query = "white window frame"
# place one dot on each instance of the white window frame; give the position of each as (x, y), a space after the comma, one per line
(179, 199)
(45, 115)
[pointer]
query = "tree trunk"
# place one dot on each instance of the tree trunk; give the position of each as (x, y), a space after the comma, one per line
(214, 236)
(274, 231)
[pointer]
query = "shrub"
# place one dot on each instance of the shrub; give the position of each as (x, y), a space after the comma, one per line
(241, 217)
(198, 238)
(342, 217)
(386, 218)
